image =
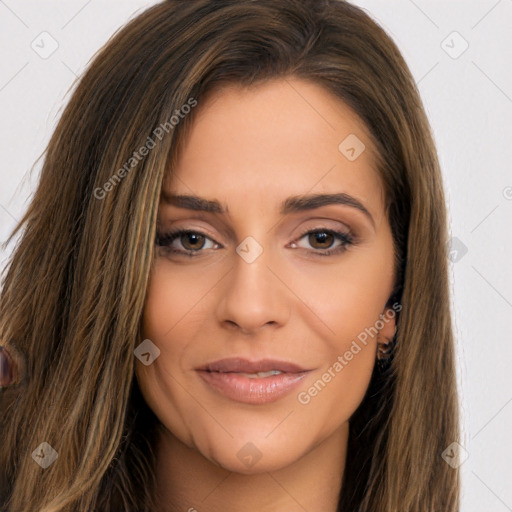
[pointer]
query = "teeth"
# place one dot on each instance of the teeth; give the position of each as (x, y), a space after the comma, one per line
(261, 375)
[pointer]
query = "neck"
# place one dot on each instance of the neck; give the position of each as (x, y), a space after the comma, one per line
(188, 482)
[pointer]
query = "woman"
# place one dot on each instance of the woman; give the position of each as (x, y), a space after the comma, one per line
(231, 289)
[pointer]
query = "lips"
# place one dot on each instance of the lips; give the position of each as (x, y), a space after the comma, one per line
(252, 382)
(239, 365)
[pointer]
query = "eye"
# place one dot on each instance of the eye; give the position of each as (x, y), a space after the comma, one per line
(322, 240)
(192, 242)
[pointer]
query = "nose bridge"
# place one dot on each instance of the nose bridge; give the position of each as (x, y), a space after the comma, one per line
(253, 296)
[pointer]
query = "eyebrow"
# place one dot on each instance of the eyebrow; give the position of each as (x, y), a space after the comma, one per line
(292, 204)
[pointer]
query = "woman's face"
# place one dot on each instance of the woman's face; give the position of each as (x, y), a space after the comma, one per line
(278, 281)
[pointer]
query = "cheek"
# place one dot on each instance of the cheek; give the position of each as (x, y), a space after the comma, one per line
(175, 304)
(168, 301)
(167, 401)
(170, 315)
(348, 299)
(333, 394)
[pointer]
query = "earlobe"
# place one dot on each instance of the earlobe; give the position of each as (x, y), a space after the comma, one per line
(388, 330)
(386, 338)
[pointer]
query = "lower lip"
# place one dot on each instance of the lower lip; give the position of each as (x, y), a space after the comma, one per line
(252, 391)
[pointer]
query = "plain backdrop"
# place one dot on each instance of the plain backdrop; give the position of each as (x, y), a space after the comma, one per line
(459, 53)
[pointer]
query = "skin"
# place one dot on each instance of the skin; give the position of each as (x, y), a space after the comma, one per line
(250, 149)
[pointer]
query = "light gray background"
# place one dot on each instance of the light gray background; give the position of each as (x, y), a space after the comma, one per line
(468, 98)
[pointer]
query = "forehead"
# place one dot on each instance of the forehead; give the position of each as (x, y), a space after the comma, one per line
(280, 138)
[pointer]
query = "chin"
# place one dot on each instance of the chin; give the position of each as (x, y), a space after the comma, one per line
(273, 462)
(251, 453)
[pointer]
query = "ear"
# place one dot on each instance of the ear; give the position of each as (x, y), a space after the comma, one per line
(388, 330)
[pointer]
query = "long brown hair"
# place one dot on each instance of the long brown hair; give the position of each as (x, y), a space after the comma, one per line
(74, 290)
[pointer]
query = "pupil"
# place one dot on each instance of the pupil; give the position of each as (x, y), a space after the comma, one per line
(193, 236)
(321, 238)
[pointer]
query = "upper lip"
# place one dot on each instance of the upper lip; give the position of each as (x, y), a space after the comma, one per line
(240, 365)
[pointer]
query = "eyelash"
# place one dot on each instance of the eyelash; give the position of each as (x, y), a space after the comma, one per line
(166, 240)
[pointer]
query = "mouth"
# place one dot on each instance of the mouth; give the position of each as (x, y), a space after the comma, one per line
(252, 382)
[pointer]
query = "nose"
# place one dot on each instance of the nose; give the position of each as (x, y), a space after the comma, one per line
(254, 294)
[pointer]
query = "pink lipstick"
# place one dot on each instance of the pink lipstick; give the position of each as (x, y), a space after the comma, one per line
(252, 382)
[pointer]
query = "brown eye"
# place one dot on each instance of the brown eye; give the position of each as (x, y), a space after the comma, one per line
(192, 241)
(324, 239)
(185, 242)
(321, 241)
